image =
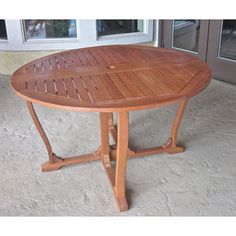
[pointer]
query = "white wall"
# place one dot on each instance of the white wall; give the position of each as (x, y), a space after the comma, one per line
(11, 60)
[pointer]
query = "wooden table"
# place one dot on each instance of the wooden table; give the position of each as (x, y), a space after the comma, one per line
(111, 79)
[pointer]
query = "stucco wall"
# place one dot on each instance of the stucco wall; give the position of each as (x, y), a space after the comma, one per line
(10, 61)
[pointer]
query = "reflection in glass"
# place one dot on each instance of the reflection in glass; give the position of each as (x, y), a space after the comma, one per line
(228, 40)
(108, 27)
(43, 29)
(186, 34)
(3, 31)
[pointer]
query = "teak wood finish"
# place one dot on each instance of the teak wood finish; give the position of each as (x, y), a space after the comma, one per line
(110, 79)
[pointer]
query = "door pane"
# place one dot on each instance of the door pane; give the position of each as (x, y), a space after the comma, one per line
(185, 34)
(3, 31)
(109, 27)
(228, 40)
(43, 29)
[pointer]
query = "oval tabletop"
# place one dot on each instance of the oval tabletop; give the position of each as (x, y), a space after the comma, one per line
(111, 78)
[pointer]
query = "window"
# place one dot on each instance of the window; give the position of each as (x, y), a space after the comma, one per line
(43, 29)
(228, 40)
(3, 31)
(109, 27)
(36, 34)
(185, 35)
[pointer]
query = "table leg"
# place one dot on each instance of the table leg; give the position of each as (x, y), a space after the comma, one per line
(105, 148)
(112, 127)
(111, 121)
(51, 155)
(172, 142)
(122, 152)
(116, 177)
(56, 162)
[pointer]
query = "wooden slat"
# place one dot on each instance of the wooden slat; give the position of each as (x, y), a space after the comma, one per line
(152, 84)
(181, 73)
(143, 55)
(118, 53)
(38, 67)
(111, 88)
(30, 68)
(175, 76)
(90, 85)
(122, 54)
(172, 77)
(130, 84)
(60, 88)
(76, 60)
(140, 84)
(40, 86)
(102, 57)
(101, 88)
(61, 63)
(50, 87)
(94, 90)
(83, 58)
(90, 58)
(194, 67)
(148, 55)
(134, 54)
(53, 64)
(194, 83)
(69, 60)
(46, 65)
(97, 56)
(121, 86)
(82, 92)
(111, 56)
(71, 90)
(163, 81)
(109, 59)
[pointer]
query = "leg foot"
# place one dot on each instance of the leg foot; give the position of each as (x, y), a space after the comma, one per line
(175, 150)
(172, 148)
(122, 204)
(116, 176)
(47, 166)
(176, 123)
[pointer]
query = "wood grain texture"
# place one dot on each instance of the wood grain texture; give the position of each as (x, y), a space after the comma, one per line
(111, 78)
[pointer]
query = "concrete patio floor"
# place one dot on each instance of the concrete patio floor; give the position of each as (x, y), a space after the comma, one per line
(198, 182)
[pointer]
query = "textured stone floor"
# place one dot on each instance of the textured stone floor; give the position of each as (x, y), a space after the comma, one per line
(199, 182)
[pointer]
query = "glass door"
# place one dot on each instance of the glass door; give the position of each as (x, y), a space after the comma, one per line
(222, 49)
(214, 41)
(186, 35)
